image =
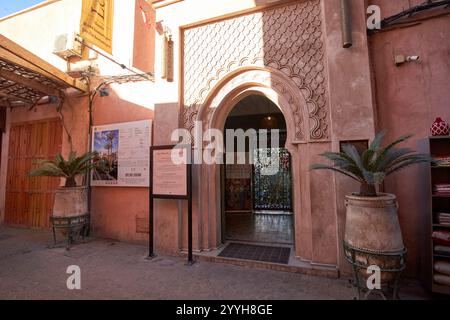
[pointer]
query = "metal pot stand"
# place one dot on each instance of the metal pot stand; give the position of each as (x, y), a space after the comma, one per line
(355, 256)
(77, 225)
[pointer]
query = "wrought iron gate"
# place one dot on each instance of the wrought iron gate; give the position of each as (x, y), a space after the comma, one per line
(272, 180)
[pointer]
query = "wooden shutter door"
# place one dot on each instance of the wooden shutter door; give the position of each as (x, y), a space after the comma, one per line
(29, 201)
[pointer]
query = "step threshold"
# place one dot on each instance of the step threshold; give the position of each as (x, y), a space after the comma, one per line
(295, 265)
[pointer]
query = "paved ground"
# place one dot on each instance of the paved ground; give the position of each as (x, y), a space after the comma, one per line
(113, 270)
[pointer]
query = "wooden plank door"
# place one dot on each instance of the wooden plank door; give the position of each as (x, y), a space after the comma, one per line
(29, 201)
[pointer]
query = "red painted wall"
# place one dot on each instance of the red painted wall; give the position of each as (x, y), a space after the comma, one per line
(408, 100)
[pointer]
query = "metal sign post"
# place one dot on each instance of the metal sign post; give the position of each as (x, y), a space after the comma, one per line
(190, 255)
(172, 182)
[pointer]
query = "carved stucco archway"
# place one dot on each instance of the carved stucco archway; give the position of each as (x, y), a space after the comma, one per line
(270, 82)
(277, 52)
(286, 38)
(213, 114)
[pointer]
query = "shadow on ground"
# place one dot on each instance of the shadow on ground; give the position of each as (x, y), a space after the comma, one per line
(29, 269)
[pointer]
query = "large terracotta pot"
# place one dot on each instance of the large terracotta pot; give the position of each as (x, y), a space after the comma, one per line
(372, 224)
(70, 202)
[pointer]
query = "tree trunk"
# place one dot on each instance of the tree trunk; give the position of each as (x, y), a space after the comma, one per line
(367, 190)
(70, 182)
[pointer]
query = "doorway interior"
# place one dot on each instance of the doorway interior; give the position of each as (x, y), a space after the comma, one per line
(257, 204)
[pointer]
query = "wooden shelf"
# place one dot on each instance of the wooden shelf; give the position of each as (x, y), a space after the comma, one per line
(438, 203)
(440, 288)
(440, 256)
(436, 225)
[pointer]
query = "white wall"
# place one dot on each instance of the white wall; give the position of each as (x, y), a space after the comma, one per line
(36, 30)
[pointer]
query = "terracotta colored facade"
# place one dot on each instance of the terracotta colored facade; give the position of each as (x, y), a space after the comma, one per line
(408, 100)
(289, 51)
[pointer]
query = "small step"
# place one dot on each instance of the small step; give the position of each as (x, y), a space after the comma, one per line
(295, 265)
(320, 271)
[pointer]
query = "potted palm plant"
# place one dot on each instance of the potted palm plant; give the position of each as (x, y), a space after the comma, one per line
(70, 200)
(371, 217)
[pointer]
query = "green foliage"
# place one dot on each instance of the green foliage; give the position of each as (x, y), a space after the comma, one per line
(68, 169)
(372, 166)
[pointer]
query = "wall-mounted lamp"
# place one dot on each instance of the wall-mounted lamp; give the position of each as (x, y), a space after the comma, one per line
(53, 99)
(104, 92)
(401, 59)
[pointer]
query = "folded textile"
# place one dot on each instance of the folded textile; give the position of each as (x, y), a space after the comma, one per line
(442, 187)
(442, 161)
(442, 249)
(442, 279)
(443, 218)
(442, 267)
(441, 237)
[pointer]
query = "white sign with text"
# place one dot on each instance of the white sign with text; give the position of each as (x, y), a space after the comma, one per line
(123, 154)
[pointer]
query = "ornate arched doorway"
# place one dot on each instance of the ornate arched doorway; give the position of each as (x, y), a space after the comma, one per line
(256, 176)
(213, 113)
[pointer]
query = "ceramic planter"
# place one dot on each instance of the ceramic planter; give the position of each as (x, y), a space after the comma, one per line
(372, 224)
(70, 202)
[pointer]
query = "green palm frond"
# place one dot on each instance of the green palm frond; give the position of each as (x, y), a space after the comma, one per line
(376, 143)
(372, 166)
(342, 160)
(68, 169)
(385, 151)
(406, 162)
(343, 171)
(48, 169)
(351, 152)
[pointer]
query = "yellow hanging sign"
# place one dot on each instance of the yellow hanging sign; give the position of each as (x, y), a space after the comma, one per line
(96, 24)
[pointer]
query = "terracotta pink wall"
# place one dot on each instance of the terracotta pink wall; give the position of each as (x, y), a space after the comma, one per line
(144, 37)
(319, 236)
(409, 98)
(115, 209)
(352, 113)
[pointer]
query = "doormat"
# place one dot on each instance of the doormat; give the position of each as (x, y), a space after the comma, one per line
(256, 253)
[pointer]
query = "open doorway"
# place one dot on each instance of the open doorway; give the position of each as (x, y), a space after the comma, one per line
(258, 206)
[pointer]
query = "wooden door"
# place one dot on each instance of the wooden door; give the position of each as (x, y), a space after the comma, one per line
(29, 201)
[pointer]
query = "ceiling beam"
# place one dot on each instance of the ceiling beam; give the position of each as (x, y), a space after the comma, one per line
(15, 54)
(15, 98)
(30, 83)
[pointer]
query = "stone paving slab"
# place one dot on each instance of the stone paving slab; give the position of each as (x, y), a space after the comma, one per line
(115, 270)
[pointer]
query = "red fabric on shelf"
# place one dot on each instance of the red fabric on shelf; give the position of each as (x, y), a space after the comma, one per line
(441, 237)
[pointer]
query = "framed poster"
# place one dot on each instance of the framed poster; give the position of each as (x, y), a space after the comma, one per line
(169, 176)
(123, 159)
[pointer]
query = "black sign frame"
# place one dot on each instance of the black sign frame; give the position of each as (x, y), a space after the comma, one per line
(187, 197)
